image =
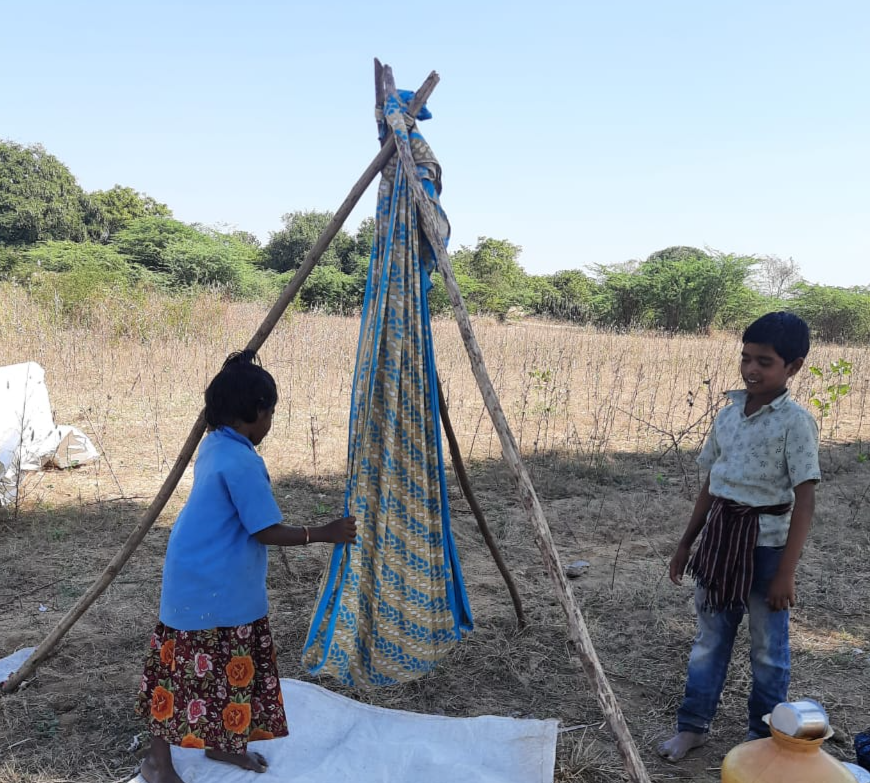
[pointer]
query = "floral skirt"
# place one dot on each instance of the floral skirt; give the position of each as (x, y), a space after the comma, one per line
(216, 689)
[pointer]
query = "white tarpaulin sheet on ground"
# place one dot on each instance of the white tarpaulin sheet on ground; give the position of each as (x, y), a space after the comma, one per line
(334, 739)
(29, 439)
(12, 662)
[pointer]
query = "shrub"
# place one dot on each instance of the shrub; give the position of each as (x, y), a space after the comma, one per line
(190, 256)
(567, 295)
(329, 290)
(834, 314)
(742, 306)
(73, 278)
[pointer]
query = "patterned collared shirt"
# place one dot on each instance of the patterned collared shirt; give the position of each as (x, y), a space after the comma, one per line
(758, 460)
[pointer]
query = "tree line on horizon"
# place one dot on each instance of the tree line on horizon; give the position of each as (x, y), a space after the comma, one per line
(75, 245)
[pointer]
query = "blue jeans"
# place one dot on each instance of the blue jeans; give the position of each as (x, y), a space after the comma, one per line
(711, 653)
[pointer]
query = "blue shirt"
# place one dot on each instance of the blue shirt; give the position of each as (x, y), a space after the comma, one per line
(215, 570)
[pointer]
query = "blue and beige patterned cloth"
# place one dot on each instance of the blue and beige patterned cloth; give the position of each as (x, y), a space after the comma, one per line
(393, 604)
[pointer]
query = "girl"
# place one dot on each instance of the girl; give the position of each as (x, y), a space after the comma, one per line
(210, 677)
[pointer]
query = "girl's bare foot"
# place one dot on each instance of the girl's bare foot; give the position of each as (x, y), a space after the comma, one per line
(157, 765)
(255, 762)
(680, 744)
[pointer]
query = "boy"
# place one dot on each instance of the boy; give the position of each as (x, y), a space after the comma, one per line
(755, 510)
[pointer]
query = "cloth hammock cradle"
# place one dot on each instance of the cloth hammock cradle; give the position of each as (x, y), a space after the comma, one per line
(393, 604)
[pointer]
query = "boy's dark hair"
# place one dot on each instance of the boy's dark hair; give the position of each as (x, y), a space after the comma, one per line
(239, 391)
(786, 332)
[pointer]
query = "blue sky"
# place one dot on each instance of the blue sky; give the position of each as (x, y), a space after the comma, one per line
(586, 132)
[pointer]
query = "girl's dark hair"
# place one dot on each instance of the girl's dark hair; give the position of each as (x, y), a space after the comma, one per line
(239, 391)
(786, 332)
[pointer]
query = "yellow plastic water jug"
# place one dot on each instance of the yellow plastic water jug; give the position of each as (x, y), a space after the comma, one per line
(783, 759)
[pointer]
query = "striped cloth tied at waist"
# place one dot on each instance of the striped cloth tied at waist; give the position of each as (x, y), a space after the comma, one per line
(723, 564)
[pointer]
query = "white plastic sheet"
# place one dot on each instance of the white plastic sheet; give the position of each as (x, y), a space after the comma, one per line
(334, 739)
(13, 662)
(29, 438)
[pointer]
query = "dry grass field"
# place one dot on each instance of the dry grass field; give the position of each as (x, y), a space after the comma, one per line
(609, 425)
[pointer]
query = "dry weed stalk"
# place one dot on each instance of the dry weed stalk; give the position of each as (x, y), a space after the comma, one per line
(567, 389)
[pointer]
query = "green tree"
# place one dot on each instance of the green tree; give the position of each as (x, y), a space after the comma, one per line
(439, 301)
(834, 314)
(676, 289)
(246, 238)
(742, 306)
(286, 248)
(357, 258)
(684, 288)
(500, 281)
(40, 199)
(619, 300)
(364, 239)
(120, 206)
(566, 295)
(330, 290)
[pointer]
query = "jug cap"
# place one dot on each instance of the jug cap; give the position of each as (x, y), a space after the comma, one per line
(805, 719)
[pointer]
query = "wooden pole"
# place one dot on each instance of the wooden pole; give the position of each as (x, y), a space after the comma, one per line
(153, 511)
(332, 228)
(577, 630)
(465, 484)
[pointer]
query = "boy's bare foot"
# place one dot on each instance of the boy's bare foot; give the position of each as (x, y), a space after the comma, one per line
(680, 744)
(255, 762)
(152, 772)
